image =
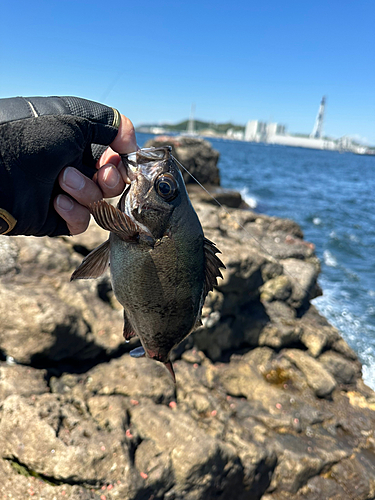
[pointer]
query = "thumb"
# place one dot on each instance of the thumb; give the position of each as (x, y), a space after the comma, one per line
(125, 141)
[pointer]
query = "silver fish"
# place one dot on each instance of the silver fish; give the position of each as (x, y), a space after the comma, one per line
(162, 266)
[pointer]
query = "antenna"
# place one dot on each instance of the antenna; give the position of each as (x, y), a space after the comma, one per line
(318, 127)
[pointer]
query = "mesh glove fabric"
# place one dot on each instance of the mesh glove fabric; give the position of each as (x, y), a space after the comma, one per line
(39, 136)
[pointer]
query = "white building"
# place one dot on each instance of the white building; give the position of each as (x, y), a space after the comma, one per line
(275, 129)
(235, 134)
(274, 133)
(302, 142)
(255, 131)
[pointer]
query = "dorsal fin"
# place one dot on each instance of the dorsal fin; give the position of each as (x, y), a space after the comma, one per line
(94, 264)
(112, 219)
(213, 264)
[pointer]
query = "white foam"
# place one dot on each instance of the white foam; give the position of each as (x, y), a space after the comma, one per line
(317, 221)
(368, 373)
(329, 259)
(249, 199)
(334, 306)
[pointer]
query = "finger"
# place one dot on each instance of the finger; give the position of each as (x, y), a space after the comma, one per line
(125, 141)
(80, 187)
(76, 216)
(110, 181)
(111, 157)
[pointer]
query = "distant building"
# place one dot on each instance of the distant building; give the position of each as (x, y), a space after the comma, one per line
(275, 133)
(346, 144)
(275, 129)
(238, 135)
(255, 131)
(302, 142)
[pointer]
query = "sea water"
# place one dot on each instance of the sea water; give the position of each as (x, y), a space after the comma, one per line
(332, 197)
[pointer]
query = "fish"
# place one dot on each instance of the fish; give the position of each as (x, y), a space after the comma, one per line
(162, 266)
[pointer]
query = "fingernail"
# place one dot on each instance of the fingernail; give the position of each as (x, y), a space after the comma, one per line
(73, 179)
(111, 177)
(64, 203)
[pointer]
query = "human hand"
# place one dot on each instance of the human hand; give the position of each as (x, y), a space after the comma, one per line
(39, 138)
(107, 182)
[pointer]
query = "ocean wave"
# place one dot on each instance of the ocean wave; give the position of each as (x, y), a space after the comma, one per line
(329, 259)
(368, 373)
(334, 305)
(249, 199)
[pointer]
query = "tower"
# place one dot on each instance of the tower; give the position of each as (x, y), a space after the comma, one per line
(318, 127)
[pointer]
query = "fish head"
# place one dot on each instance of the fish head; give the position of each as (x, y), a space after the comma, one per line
(156, 188)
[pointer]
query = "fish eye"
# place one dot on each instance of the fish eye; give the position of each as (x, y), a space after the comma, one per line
(166, 187)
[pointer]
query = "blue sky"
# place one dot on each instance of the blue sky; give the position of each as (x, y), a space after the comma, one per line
(237, 60)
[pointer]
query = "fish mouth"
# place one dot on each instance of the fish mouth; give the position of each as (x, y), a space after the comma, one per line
(144, 157)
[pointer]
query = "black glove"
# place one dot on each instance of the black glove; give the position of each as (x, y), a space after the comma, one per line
(39, 136)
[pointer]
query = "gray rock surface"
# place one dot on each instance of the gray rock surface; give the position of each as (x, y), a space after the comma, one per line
(269, 402)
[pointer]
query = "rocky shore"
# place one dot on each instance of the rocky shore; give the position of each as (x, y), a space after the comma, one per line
(269, 402)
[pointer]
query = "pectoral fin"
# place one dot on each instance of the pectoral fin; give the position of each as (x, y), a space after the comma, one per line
(94, 264)
(112, 219)
(213, 264)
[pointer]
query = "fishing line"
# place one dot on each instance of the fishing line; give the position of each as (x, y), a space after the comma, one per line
(294, 279)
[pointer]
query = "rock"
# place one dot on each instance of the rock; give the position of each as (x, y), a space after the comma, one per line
(17, 482)
(22, 380)
(356, 475)
(278, 288)
(344, 371)
(321, 487)
(196, 155)
(52, 319)
(315, 340)
(216, 196)
(302, 458)
(278, 335)
(39, 323)
(131, 377)
(303, 276)
(201, 465)
(59, 440)
(318, 334)
(155, 466)
(269, 402)
(259, 461)
(318, 378)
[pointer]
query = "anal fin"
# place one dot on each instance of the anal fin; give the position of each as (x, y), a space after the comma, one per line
(169, 367)
(128, 330)
(94, 264)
